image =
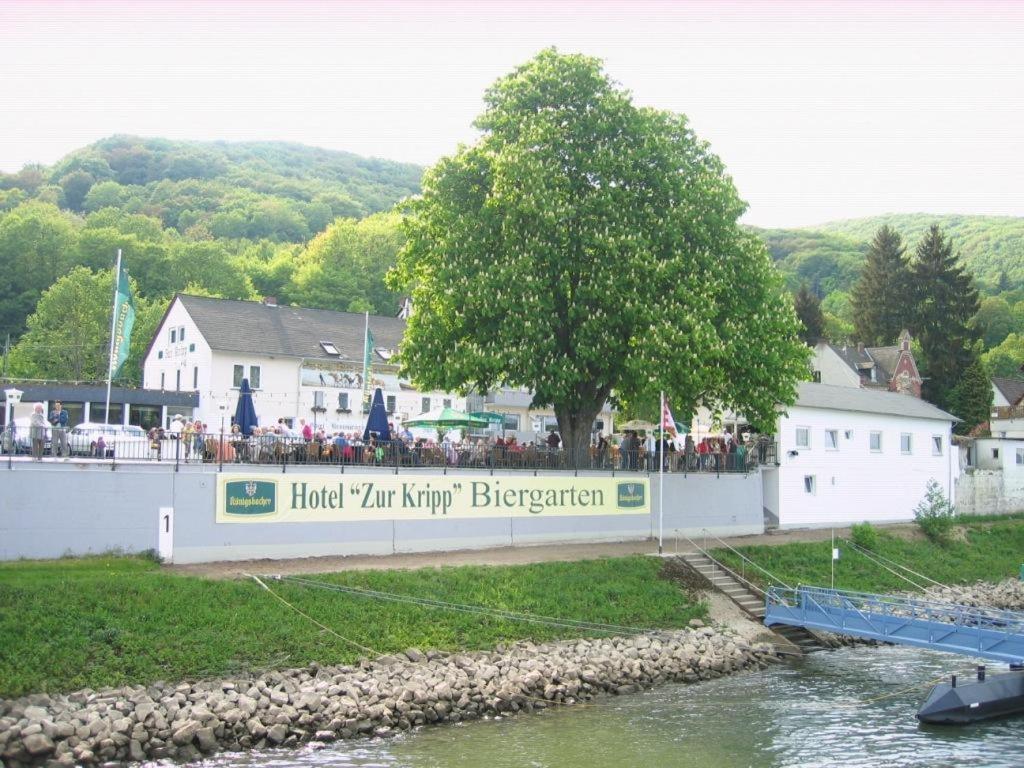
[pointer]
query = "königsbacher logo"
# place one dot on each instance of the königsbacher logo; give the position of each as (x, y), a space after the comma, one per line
(630, 495)
(250, 497)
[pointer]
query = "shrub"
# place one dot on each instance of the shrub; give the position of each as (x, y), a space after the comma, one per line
(864, 535)
(935, 515)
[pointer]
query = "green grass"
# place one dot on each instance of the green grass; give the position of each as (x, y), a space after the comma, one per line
(106, 621)
(991, 552)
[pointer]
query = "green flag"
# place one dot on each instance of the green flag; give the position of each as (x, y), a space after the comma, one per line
(124, 319)
(367, 365)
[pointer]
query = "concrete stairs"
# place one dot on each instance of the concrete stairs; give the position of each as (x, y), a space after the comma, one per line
(750, 601)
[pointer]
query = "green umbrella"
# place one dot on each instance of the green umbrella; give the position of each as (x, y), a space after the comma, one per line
(445, 417)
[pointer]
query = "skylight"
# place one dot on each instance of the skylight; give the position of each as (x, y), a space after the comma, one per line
(330, 349)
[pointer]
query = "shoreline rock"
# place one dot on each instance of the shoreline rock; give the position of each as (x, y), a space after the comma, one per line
(397, 692)
(1007, 595)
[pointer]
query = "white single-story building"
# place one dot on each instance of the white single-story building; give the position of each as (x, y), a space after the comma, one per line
(850, 454)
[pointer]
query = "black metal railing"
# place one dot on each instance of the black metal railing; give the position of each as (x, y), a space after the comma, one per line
(119, 444)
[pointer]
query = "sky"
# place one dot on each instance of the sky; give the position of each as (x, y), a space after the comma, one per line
(820, 110)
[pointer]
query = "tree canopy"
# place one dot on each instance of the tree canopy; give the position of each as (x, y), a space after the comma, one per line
(882, 298)
(808, 311)
(944, 303)
(589, 249)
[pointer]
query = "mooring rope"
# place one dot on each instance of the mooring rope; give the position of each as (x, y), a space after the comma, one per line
(310, 618)
(611, 629)
(901, 691)
(881, 560)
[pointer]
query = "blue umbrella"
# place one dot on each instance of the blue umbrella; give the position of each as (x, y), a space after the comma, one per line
(378, 421)
(245, 414)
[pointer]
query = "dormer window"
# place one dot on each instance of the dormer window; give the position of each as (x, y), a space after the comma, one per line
(330, 349)
(384, 354)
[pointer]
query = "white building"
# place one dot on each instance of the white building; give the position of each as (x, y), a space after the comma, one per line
(1007, 408)
(850, 454)
(301, 364)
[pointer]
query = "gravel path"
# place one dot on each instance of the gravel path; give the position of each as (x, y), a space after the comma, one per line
(500, 555)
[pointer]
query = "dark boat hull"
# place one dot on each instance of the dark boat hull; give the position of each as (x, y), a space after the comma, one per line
(995, 696)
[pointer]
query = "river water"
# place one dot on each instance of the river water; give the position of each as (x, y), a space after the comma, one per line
(823, 710)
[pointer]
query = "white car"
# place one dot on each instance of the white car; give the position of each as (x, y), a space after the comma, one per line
(131, 439)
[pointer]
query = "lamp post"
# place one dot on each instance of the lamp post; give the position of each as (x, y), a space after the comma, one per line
(223, 406)
(13, 398)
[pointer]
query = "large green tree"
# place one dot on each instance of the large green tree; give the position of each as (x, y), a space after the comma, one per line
(808, 311)
(1006, 360)
(36, 247)
(881, 308)
(971, 398)
(344, 267)
(589, 249)
(944, 303)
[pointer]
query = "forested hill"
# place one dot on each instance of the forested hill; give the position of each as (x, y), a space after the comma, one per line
(256, 190)
(828, 256)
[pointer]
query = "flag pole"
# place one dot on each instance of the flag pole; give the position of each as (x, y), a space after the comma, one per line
(366, 340)
(659, 452)
(113, 321)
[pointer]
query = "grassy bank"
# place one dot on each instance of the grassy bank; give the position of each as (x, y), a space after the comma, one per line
(104, 621)
(989, 551)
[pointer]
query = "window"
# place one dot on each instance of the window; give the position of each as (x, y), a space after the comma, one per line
(810, 484)
(936, 445)
(391, 403)
(831, 440)
(254, 376)
(906, 443)
(177, 380)
(162, 380)
(1020, 457)
(817, 377)
(181, 333)
(192, 347)
(424, 405)
(343, 401)
(160, 355)
(237, 376)
(803, 437)
(995, 453)
(195, 377)
(511, 422)
(447, 402)
(876, 442)
(329, 348)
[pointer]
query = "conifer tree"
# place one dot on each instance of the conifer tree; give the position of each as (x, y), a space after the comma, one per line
(971, 398)
(880, 299)
(808, 311)
(944, 301)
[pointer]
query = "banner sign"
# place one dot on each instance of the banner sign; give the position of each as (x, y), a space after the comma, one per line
(337, 498)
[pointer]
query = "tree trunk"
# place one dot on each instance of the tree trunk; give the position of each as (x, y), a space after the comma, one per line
(574, 427)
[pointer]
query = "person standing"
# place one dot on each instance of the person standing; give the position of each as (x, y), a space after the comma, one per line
(37, 431)
(59, 434)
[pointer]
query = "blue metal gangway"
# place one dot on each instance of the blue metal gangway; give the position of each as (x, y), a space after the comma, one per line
(990, 634)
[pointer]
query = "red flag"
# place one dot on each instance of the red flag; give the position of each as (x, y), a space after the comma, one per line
(668, 424)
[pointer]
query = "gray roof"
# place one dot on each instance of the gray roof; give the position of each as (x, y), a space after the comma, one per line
(256, 328)
(1012, 389)
(861, 360)
(811, 395)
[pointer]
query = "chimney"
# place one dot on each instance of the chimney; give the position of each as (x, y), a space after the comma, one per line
(270, 301)
(860, 347)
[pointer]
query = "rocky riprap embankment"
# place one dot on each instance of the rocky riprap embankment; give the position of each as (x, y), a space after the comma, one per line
(393, 693)
(1006, 595)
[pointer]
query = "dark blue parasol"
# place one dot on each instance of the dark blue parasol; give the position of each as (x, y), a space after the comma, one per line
(377, 423)
(245, 413)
